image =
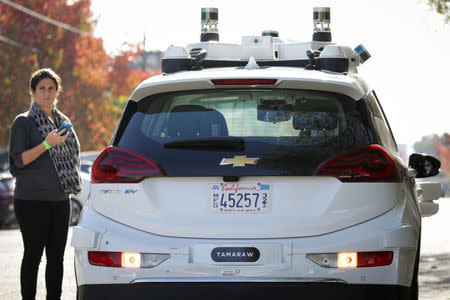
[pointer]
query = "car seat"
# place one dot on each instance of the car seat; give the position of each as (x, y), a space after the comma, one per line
(190, 121)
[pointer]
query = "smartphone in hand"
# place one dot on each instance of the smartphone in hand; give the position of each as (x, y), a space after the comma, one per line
(65, 126)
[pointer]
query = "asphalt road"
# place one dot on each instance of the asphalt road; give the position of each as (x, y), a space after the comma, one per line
(434, 268)
(434, 272)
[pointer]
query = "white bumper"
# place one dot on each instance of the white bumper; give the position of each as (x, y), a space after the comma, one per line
(281, 259)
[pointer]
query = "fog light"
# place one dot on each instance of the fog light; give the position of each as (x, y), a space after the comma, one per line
(347, 260)
(131, 260)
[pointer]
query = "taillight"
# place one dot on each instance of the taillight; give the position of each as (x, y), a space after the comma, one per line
(105, 259)
(132, 260)
(120, 165)
(348, 260)
(368, 164)
(244, 81)
(372, 259)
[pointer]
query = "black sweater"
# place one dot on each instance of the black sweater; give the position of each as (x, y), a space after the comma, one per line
(38, 180)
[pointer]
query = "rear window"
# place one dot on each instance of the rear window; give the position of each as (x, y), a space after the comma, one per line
(279, 126)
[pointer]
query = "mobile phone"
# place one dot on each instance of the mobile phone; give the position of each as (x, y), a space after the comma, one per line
(65, 126)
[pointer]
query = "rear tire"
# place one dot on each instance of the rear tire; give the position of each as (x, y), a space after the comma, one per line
(414, 288)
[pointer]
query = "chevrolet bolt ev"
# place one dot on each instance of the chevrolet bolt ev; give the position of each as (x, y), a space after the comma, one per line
(231, 182)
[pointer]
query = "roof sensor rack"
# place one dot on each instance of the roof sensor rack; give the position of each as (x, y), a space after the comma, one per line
(272, 33)
(321, 19)
(210, 20)
(265, 50)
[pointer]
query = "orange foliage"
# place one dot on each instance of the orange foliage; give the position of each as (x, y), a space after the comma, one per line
(91, 79)
(442, 148)
(120, 72)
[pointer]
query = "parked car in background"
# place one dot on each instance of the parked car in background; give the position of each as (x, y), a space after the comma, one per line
(77, 202)
(7, 216)
(4, 160)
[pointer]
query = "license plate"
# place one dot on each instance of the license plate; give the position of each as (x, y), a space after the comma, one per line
(247, 198)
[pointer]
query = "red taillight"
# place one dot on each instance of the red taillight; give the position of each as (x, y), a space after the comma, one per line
(373, 259)
(368, 164)
(106, 259)
(244, 81)
(347, 260)
(351, 260)
(120, 165)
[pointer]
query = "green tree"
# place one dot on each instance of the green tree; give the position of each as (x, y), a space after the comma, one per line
(442, 7)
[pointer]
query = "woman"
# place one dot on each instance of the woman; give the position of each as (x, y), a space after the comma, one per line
(46, 165)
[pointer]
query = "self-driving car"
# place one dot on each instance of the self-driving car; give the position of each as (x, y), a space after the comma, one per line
(260, 170)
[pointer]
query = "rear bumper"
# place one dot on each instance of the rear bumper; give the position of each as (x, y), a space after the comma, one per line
(280, 258)
(242, 290)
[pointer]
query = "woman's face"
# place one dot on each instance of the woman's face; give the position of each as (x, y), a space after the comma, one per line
(45, 94)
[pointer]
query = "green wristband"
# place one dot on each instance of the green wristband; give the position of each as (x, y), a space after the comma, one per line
(47, 145)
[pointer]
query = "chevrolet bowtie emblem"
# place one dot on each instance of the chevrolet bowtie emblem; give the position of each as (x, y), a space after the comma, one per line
(239, 161)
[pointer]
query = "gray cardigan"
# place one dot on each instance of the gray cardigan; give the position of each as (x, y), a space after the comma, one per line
(37, 180)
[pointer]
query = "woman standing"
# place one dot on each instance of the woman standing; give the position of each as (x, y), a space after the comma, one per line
(46, 165)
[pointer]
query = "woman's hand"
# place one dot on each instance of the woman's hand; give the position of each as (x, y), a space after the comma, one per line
(54, 138)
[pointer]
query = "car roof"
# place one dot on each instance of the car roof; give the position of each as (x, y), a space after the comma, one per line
(89, 155)
(351, 85)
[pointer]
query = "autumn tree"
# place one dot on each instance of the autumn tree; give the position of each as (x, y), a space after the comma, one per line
(442, 7)
(442, 148)
(95, 84)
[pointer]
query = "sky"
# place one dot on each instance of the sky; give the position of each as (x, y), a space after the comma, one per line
(409, 43)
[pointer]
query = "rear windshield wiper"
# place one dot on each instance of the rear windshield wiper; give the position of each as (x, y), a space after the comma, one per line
(225, 143)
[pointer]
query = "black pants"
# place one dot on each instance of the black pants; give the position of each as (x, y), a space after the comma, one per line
(44, 224)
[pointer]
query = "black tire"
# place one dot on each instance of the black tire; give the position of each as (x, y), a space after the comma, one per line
(75, 210)
(414, 288)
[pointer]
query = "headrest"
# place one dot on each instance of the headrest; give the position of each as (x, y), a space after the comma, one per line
(188, 121)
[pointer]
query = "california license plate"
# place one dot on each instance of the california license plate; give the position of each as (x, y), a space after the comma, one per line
(247, 198)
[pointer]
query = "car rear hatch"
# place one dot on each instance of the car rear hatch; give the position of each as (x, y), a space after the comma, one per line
(244, 163)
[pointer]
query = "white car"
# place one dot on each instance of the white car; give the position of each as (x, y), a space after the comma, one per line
(78, 201)
(258, 170)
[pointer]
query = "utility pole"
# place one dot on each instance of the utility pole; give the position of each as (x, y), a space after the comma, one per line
(144, 56)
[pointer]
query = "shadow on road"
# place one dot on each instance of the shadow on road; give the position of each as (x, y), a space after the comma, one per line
(434, 276)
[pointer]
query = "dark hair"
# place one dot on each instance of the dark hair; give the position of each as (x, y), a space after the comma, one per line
(37, 76)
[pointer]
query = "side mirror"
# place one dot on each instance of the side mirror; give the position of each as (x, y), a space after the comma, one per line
(425, 165)
(426, 193)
